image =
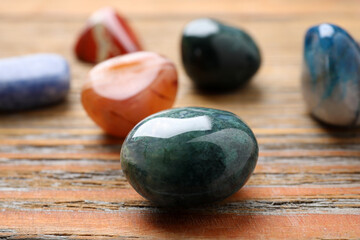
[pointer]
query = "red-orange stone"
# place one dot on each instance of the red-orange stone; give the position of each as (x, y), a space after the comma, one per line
(106, 34)
(122, 91)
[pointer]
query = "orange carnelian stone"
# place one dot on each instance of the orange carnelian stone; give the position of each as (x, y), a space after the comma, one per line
(123, 90)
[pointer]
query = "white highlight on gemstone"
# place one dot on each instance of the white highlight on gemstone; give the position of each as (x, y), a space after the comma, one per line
(326, 30)
(201, 28)
(169, 127)
(118, 30)
(105, 45)
(103, 42)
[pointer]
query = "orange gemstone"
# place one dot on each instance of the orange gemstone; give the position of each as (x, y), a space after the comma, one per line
(122, 91)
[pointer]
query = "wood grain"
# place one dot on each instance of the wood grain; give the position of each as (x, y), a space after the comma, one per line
(134, 224)
(60, 176)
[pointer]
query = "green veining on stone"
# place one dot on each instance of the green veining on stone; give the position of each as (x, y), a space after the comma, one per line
(189, 156)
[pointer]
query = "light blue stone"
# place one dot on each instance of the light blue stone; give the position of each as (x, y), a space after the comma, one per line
(33, 81)
(331, 75)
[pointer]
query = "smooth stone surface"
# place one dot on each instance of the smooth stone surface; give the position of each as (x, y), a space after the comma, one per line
(218, 57)
(189, 156)
(106, 35)
(33, 81)
(123, 90)
(331, 75)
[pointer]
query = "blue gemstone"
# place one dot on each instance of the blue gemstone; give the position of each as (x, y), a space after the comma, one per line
(331, 75)
(33, 81)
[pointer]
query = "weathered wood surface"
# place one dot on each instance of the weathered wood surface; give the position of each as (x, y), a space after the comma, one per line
(60, 177)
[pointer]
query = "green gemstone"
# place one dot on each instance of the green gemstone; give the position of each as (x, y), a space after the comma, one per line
(218, 57)
(189, 156)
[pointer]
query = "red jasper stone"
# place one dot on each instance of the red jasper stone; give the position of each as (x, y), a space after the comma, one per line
(122, 91)
(105, 35)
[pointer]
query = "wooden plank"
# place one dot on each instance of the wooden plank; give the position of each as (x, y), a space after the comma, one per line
(113, 141)
(105, 174)
(155, 7)
(261, 167)
(97, 132)
(60, 176)
(129, 194)
(116, 156)
(309, 153)
(181, 225)
(50, 156)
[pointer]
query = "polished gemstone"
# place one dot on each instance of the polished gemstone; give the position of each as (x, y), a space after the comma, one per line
(218, 57)
(189, 156)
(331, 75)
(33, 81)
(123, 90)
(106, 35)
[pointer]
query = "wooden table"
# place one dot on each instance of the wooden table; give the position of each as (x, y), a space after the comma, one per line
(60, 177)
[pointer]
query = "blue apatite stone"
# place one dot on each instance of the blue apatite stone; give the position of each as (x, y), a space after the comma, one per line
(331, 75)
(189, 156)
(33, 81)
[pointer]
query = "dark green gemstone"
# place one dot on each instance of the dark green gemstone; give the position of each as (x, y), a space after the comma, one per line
(189, 156)
(218, 57)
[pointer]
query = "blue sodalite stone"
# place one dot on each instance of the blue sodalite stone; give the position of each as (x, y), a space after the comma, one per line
(189, 156)
(32, 81)
(331, 75)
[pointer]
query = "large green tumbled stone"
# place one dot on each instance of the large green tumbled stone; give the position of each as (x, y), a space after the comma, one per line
(218, 57)
(189, 156)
